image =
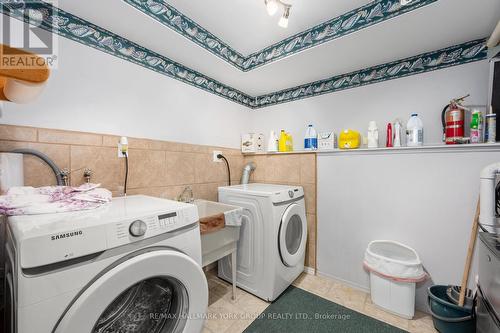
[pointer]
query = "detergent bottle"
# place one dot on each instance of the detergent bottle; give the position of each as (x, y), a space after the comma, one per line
(282, 141)
(289, 142)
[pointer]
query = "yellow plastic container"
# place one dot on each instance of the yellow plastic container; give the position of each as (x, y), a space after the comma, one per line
(289, 142)
(349, 139)
(282, 141)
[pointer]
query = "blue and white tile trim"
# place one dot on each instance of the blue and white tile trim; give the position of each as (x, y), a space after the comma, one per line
(451, 56)
(67, 25)
(175, 20)
(357, 19)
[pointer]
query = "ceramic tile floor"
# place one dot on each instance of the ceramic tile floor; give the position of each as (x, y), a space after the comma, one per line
(233, 316)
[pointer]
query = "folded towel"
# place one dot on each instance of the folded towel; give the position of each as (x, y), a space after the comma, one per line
(27, 200)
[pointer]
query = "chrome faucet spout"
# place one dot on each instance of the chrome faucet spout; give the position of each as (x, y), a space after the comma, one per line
(186, 195)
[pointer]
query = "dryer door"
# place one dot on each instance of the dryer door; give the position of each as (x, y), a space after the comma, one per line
(293, 235)
(155, 290)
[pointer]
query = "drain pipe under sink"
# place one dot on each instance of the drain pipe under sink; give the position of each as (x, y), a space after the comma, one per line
(247, 171)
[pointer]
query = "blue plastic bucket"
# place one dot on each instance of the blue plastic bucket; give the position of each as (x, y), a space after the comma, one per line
(448, 317)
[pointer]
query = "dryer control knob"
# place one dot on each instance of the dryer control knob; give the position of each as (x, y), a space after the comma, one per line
(138, 228)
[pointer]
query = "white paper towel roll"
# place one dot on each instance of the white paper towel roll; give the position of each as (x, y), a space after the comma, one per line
(11, 171)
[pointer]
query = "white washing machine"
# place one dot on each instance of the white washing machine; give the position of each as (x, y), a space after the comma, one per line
(273, 237)
(130, 266)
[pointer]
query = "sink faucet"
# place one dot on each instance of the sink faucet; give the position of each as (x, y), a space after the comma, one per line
(186, 195)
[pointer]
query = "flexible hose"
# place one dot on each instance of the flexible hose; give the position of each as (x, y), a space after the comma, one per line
(220, 156)
(247, 170)
(46, 159)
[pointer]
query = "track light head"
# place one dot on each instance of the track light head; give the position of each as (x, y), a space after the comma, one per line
(284, 18)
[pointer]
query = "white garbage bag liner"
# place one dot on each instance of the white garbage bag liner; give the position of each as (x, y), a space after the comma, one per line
(394, 261)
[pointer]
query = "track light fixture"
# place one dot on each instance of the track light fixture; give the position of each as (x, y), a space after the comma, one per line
(272, 7)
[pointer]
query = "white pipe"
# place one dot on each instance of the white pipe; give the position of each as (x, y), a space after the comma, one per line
(487, 216)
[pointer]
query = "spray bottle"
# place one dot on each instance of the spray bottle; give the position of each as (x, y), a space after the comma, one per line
(397, 133)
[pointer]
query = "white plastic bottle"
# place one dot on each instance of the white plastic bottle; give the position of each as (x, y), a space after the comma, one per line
(414, 131)
(311, 139)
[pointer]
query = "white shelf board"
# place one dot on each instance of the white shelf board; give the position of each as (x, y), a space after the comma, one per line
(442, 148)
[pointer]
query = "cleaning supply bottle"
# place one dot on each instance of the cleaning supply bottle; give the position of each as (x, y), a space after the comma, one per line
(273, 143)
(476, 127)
(397, 133)
(311, 139)
(372, 134)
(282, 141)
(389, 142)
(414, 131)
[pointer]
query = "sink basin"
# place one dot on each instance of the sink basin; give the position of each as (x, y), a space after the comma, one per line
(220, 229)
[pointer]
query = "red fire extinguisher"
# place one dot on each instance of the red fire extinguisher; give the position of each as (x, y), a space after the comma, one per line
(453, 119)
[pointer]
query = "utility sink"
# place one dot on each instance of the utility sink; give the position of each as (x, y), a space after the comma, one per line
(220, 229)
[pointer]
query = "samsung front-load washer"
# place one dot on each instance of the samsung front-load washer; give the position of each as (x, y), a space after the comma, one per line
(130, 266)
(273, 237)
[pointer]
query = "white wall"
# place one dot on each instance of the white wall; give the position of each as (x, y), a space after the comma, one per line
(95, 92)
(425, 94)
(424, 200)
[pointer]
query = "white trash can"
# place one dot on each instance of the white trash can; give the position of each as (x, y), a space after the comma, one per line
(394, 270)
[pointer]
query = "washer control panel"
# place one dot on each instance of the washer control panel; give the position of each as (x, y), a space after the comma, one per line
(132, 230)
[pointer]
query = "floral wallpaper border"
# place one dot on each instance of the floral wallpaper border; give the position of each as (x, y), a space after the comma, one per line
(72, 27)
(352, 21)
(67, 25)
(452, 56)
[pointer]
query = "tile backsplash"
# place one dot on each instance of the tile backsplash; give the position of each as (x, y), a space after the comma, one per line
(157, 168)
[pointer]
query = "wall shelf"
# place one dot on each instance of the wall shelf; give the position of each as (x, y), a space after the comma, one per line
(481, 147)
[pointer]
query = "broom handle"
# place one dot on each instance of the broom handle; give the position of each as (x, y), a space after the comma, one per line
(470, 252)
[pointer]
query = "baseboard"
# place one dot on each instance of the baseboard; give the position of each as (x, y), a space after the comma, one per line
(309, 270)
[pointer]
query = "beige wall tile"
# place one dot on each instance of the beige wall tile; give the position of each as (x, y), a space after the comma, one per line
(166, 145)
(68, 137)
(146, 168)
(18, 133)
(196, 148)
(310, 197)
(168, 192)
(311, 241)
(263, 167)
(107, 168)
(308, 169)
(113, 140)
(36, 172)
(283, 169)
(206, 191)
(236, 165)
(180, 168)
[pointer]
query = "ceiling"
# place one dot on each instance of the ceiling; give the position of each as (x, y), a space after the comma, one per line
(246, 27)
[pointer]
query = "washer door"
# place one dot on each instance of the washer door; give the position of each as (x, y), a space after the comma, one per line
(293, 235)
(157, 291)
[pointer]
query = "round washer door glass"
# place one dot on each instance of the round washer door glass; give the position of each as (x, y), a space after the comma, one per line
(156, 292)
(293, 235)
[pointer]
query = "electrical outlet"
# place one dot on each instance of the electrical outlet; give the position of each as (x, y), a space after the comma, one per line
(217, 160)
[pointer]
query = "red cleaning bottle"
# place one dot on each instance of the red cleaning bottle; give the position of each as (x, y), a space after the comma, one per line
(389, 142)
